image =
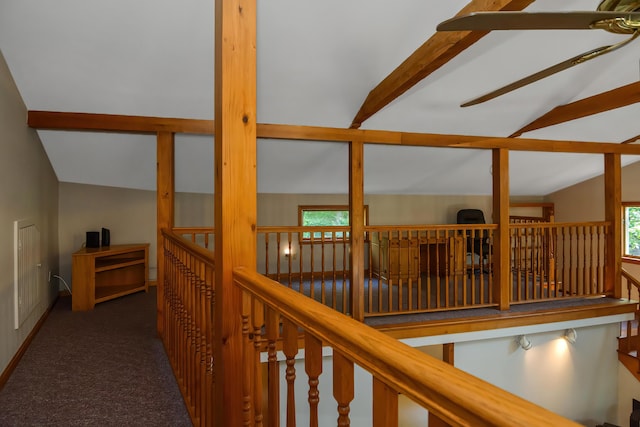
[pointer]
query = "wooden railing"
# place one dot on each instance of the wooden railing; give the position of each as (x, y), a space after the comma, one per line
(188, 296)
(276, 313)
(557, 260)
(632, 283)
(413, 269)
(629, 341)
(428, 268)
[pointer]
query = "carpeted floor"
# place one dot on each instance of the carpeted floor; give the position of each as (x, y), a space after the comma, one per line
(104, 367)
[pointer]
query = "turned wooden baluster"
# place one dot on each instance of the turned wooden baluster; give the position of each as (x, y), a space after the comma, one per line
(385, 405)
(290, 349)
(247, 361)
(257, 317)
(313, 368)
(266, 253)
(208, 315)
(273, 381)
(334, 287)
(342, 386)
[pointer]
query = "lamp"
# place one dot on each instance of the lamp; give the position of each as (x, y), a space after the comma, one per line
(524, 342)
(571, 335)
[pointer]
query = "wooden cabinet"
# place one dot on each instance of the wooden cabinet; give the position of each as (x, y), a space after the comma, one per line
(443, 256)
(394, 259)
(101, 274)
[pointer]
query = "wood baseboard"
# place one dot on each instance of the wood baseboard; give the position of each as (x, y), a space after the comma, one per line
(23, 348)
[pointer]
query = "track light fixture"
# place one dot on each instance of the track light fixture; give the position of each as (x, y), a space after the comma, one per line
(571, 335)
(524, 342)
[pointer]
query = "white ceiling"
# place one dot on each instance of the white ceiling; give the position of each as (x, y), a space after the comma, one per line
(317, 61)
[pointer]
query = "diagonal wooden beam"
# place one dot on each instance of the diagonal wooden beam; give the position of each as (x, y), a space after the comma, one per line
(605, 101)
(433, 54)
(631, 140)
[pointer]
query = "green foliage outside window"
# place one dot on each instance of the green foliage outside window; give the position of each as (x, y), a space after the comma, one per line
(632, 230)
(322, 218)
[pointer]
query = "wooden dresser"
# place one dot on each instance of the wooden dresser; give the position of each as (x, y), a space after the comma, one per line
(105, 273)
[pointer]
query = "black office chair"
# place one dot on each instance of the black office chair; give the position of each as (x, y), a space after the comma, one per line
(477, 242)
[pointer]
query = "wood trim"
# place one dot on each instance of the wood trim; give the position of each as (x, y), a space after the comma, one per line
(84, 121)
(13, 363)
(605, 101)
(433, 54)
(503, 320)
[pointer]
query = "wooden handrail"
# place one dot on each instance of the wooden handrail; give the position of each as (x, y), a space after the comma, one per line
(631, 280)
(189, 246)
(453, 395)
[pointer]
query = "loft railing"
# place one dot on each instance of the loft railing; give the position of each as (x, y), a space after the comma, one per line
(557, 260)
(413, 269)
(629, 340)
(278, 317)
(188, 329)
(273, 314)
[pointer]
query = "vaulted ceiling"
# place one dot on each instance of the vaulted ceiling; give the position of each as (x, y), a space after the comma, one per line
(372, 64)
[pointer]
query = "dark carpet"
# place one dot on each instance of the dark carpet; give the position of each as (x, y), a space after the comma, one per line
(104, 367)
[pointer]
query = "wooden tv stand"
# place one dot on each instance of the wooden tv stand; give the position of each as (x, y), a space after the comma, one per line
(105, 273)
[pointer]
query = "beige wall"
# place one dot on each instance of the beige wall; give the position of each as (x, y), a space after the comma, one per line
(282, 209)
(28, 190)
(131, 214)
(585, 201)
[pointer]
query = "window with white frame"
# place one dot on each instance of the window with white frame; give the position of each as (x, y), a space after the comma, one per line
(328, 215)
(631, 236)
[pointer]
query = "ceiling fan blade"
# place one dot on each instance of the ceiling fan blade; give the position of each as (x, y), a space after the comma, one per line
(508, 20)
(594, 53)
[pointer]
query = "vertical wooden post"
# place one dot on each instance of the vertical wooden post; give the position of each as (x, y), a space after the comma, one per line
(385, 405)
(613, 215)
(343, 389)
(448, 357)
(235, 192)
(501, 261)
(165, 193)
(356, 218)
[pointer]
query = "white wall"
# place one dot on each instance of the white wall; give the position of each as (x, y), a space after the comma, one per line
(577, 381)
(628, 389)
(28, 190)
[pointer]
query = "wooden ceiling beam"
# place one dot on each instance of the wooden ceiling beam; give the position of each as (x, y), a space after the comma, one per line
(631, 140)
(605, 101)
(116, 123)
(433, 54)
(140, 124)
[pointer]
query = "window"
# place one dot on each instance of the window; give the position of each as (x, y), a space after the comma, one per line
(322, 216)
(631, 222)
